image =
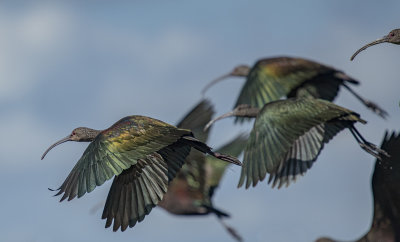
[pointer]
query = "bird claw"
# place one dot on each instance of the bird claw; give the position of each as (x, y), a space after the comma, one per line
(373, 150)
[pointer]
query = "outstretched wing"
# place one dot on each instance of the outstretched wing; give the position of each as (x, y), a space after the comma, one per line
(272, 78)
(386, 186)
(138, 189)
(290, 131)
(117, 149)
(304, 152)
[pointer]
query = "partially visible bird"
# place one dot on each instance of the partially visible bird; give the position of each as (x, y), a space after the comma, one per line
(191, 191)
(144, 155)
(386, 191)
(288, 135)
(270, 79)
(393, 37)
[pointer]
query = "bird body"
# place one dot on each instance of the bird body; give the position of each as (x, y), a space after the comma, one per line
(273, 78)
(144, 155)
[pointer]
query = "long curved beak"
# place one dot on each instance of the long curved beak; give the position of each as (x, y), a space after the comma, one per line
(214, 82)
(378, 41)
(55, 144)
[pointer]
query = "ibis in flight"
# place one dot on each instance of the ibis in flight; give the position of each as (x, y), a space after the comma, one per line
(288, 135)
(270, 79)
(142, 154)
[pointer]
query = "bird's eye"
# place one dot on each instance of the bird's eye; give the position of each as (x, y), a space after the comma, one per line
(391, 34)
(73, 133)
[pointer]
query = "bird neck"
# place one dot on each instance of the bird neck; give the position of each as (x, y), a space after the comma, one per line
(246, 111)
(90, 135)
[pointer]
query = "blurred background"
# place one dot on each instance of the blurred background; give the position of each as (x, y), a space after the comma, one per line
(70, 64)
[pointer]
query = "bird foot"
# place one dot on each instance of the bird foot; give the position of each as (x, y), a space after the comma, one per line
(373, 150)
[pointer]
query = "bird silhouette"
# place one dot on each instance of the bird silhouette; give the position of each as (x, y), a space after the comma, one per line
(191, 191)
(288, 135)
(393, 37)
(144, 155)
(386, 192)
(270, 79)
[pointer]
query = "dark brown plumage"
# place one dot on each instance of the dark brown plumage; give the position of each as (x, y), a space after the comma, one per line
(386, 192)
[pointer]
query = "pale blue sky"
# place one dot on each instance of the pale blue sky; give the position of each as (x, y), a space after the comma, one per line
(64, 65)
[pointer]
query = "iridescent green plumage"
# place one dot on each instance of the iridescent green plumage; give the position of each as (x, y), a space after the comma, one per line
(143, 153)
(116, 149)
(270, 79)
(288, 136)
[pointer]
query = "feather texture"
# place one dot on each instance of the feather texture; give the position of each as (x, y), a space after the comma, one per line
(137, 190)
(288, 136)
(116, 149)
(271, 79)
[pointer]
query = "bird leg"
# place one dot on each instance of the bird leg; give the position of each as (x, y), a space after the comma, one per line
(230, 230)
(367, 146)
(373, 106)
(242, 110)
(202, 147)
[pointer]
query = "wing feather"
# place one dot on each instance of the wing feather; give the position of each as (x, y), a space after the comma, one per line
(271, 79)
(147, 181)
(115, 150)
(290, 134)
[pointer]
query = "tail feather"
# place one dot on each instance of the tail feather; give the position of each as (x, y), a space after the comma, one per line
(202, 147)
(219, 213)
(346, 78)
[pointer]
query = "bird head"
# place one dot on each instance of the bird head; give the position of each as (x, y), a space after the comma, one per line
(81, 134)
(393, 37)
(241, 70)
